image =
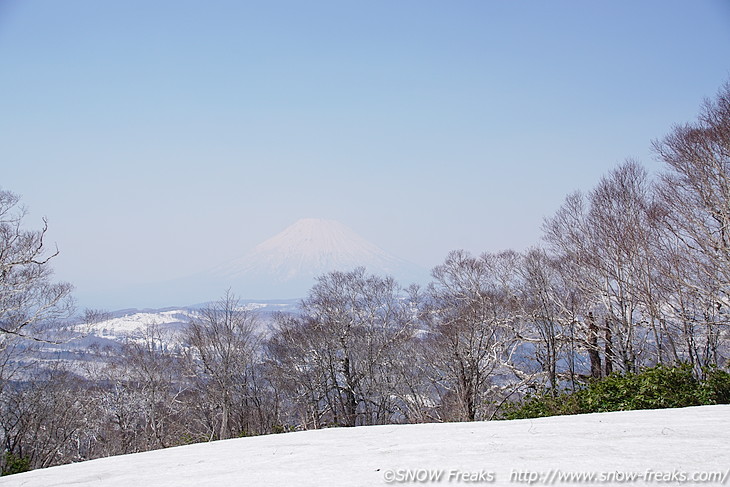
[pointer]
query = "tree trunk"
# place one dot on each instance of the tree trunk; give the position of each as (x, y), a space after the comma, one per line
(350, 399)
(608, 348)
(593, 353)
(224, 434)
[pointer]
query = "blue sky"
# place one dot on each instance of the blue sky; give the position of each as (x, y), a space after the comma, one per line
(161, 138)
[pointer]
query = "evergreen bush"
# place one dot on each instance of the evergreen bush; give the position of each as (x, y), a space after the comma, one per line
(657, 387)
(14, 464)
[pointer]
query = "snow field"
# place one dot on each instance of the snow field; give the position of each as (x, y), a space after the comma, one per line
(534, 451)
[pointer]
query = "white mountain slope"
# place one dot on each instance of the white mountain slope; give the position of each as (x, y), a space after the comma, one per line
(170, 322)
(286, 264)
(136, 324)
(662, 447)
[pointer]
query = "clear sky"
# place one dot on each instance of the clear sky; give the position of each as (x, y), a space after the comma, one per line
(161, 138)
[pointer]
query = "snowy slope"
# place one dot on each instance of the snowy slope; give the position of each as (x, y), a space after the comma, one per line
(677, 442)
(169, 322)
(136, 324)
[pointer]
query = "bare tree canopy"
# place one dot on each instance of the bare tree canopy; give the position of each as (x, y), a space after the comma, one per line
(343, 355)
(696, 189)
(223, 343)
(27, 294)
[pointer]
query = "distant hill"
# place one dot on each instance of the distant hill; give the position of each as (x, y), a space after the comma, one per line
(134, 323)
(76, 343)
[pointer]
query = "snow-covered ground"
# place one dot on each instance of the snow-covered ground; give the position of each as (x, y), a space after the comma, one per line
(661, 447)
(169, 323)
(135, 324)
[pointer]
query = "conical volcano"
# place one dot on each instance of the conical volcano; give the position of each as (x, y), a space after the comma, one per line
(286, 264)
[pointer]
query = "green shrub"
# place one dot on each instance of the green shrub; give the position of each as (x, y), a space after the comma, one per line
(14, 464)
(280, 428)
(654, 388)
(716, 386)
(542, 405)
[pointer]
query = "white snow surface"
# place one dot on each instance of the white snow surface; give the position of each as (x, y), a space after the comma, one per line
(689, 441)
(134, 324)
(169, 323)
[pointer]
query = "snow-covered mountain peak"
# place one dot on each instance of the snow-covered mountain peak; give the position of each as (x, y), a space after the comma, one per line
(289, 261)
(316, 237)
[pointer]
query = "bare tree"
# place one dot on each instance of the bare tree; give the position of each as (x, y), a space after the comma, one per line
(567, 234)
(27, 295)
(340, 358)
(605, 240)
(472, 315)
(621, 231)
(302, 369)
(43, 419)
(224, 344)
(141, 392)
(551, 307)
(695, 192)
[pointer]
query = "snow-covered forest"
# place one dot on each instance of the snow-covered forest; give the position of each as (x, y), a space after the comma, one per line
(632, 274)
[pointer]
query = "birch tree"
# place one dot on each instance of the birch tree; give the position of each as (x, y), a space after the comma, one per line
(472, 330)
(224, 344)
(28, 297)
(343, 354)
(695, 191)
